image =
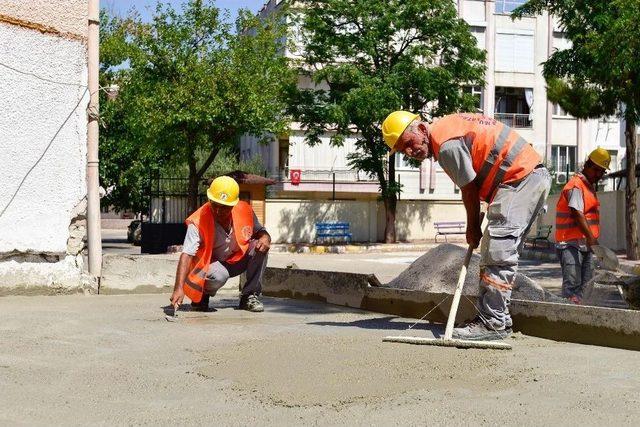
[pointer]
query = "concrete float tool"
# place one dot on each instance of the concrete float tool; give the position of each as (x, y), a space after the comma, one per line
(447, 340)
(173, 318)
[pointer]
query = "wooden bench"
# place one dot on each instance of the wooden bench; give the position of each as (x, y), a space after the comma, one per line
(330, 230)
(542, 235)
(448, 228)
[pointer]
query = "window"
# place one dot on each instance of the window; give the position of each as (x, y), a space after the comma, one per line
(514, 51)
(478, 33)
(558, 111)
(283, 154)
(402, 162)
(507, 6)
(513, 106)
(613, 166)
(563, 161)
(477, 92)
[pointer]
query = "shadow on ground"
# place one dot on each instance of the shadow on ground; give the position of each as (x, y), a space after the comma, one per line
(387, 323)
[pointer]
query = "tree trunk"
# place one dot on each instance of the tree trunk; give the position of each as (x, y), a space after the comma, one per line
(390, 205)
(390, 198)
(193, 184)
(631, 190)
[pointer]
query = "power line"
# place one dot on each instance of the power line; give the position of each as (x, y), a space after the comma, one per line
(26, 73)
(44, 152)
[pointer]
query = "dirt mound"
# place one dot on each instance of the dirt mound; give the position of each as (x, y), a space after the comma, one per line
(437, 271)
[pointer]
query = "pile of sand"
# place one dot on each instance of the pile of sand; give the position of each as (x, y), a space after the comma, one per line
(437, 271)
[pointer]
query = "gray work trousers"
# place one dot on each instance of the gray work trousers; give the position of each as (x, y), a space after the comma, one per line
(510, 215)
(577, 270)
(253, 263)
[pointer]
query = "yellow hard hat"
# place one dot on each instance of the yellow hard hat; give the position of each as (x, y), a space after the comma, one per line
(224, 190)
(394, 125)
(600, 157)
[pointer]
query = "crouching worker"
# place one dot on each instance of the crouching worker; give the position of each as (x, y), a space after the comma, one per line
(224, 239)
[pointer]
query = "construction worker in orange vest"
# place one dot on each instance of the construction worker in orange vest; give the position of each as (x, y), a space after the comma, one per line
(578, 224)
(224, 239)
(489, 162)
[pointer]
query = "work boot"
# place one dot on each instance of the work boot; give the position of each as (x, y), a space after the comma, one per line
(476, 330)
(203, 305)
(251, 303)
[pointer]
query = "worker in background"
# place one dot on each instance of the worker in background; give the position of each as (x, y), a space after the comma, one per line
(578, 224)
(489, 162)
(224, 239)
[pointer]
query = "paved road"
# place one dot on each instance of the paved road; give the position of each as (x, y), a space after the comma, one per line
(114, 360)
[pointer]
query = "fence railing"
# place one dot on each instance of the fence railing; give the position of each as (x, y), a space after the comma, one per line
(168, 198)
(340, 175)
(514, 120)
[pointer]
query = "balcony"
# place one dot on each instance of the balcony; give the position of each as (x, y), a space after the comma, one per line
(327, 181)
(514, 120)
(318, 175)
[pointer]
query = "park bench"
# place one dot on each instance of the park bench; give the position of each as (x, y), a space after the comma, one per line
(542, 235)
(448, 228)
(331, 230)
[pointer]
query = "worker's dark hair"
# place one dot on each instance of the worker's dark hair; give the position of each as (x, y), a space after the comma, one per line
(589, 163)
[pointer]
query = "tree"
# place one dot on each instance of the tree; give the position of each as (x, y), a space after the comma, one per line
(377, 56)
(599, 74)
(190, 87)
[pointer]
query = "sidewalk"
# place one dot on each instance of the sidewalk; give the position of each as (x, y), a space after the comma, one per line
(354, 248)
(550, 255)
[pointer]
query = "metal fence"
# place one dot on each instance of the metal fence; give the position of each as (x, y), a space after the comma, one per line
(514, 120)
(168, 198)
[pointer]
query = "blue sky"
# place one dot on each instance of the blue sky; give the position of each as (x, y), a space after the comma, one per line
(144, 6)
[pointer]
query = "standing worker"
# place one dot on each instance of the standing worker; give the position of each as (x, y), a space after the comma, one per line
(224, 239)
(489, 162)
(578, 224)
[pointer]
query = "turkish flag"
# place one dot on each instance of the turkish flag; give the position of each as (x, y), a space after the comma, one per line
(295, 175)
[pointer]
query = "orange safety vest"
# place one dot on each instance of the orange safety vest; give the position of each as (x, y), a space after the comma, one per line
(242, 222)
(498, 154)
(566, 226)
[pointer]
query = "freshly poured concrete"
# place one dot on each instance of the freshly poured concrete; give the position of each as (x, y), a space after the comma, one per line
(105, 360)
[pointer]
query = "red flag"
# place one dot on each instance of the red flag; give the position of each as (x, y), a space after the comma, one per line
(295, 175)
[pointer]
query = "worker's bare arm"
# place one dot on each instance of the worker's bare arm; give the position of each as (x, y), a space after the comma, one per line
(181, 275)
(584, 227)
(471, 200)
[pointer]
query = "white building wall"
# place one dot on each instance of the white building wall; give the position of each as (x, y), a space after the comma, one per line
(522, 69)
(43, 144)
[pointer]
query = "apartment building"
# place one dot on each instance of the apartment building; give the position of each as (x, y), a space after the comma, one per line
(514, 93)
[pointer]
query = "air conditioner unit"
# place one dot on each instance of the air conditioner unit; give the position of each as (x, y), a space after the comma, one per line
(561, 178)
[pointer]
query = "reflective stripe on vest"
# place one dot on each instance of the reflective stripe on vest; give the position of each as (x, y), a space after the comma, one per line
(242, 216)
(567, 227)
(499, 155)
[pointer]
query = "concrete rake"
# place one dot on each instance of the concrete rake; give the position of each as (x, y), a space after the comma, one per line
(447, 340)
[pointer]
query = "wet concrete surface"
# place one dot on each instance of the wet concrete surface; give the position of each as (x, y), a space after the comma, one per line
(105, 360)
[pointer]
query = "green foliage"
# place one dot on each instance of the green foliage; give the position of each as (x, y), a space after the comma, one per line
(377, 56)
(226, 161)
(599, 73)
(602, 68)
(189, 87)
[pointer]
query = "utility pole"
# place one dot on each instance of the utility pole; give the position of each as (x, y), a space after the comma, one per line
(94, 237)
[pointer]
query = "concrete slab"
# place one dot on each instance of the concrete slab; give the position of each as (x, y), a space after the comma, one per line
(563, 322)
(114, 360)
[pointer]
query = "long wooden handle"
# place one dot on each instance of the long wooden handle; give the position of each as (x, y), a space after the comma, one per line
(448, 332)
